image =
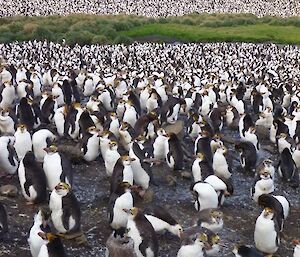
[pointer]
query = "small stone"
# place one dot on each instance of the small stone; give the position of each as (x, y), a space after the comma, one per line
(9, 190)
(186, 174)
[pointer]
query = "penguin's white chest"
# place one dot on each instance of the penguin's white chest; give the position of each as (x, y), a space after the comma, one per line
(140, 176)
(120, 217)
(193, 250)
(265, 235)
(53, 169)
(23, 143)
(110, 160)
(130, 116)
(297, 251)
(159, 148)
(196, 170)
(34, 240)
(93, 148)
(136, 237)
(55, 205)
(220, 166)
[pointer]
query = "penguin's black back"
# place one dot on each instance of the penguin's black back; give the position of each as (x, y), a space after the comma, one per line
(246, 251)
(71, 207)
(175, 150)
(35, 177)
(149, 238)
(203, 146)
(56, 248)
(25, 114)
(288, 168)
(3, 221)
(117, 176)
(85, 121)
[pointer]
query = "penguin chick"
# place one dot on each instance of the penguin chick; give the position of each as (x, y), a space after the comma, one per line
(52, 246)
(162, 220)
(142, 233)
(32, 179)
(245, 251)
(266, 232)
(195, 248)
(65, 209)
(3, 221)
(263, 184)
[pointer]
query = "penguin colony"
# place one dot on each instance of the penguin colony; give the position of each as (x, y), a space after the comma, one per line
(124, 119)
(153, 8)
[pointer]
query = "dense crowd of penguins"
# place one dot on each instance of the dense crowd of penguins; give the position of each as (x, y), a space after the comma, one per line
(152, 8)
(123, 104)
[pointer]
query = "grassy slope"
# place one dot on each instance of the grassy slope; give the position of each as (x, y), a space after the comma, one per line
(87, 29)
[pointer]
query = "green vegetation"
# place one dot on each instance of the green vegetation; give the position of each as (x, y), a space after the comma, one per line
(92, 29)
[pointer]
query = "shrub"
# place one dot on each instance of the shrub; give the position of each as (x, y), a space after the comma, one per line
(79, 37)
(100, 39)
(42, 33)
(123, 40)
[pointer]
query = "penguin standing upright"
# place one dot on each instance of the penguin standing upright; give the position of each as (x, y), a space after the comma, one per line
(23, 143)
(220, 165)
(159, 145)
(8, 157)
(60, 120)
(297, 248)
(248, 155)
(287, 168)
(266, 233)
(122, 172)
(263, 184)
(26, 114)
(142, 234)
(119, 202)
(41, 139)
(7, 122)
(65, 209)
(32, 179)
(91, 144)
(111, 157)
(40, 224)
(57, 168)
(201, 168)
(52, 246)
(174, 152)
(3, 221)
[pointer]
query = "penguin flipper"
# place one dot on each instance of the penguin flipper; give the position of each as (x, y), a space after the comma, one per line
(12, 154)
(27, 184)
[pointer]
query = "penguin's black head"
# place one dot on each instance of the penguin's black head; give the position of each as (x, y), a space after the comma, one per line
(29, 158)
(265, 200)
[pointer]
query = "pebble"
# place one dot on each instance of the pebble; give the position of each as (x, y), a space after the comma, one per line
(9, 190)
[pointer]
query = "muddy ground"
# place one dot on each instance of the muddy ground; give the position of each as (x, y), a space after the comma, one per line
(91, 188)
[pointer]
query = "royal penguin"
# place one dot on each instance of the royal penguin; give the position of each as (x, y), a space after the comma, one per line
(127, 134)
(91, 144)
(205, 196)
(220, 187)
(203, 145)
(231, 117)
(40, 224)
(122, 172)
(113, 124)
(52, 246)
(111, 157)
(48, 109)
(201, 168)
(57, 167)
(263, 184)
(287, 168)
(267, 166)
(7, 122)
(23, 142)
(193, 248)
(32, 179)
(7, 95)
(142, 173)
(193, 125)
(161, 220)
(58, 93)
(130, 114)
(42, 139)
(211, 219)
(170, 110)
(266, 232)
(248, 155)
(245, 251)
(3, 221)
(245, 123)
(8, 158)
(220, 165)
(65, 209)
(160, 145)
(279, 204)
(60, 120)
(250, 136)
(296, 252)
(145, 125)
(174, 157)
(119, 202)
(142, 234)
(26, 114)
(73, 117)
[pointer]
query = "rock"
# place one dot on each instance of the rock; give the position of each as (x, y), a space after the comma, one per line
(186, 175)
(116, 247)
(9, 190)
(176, 128)
(171, 180)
